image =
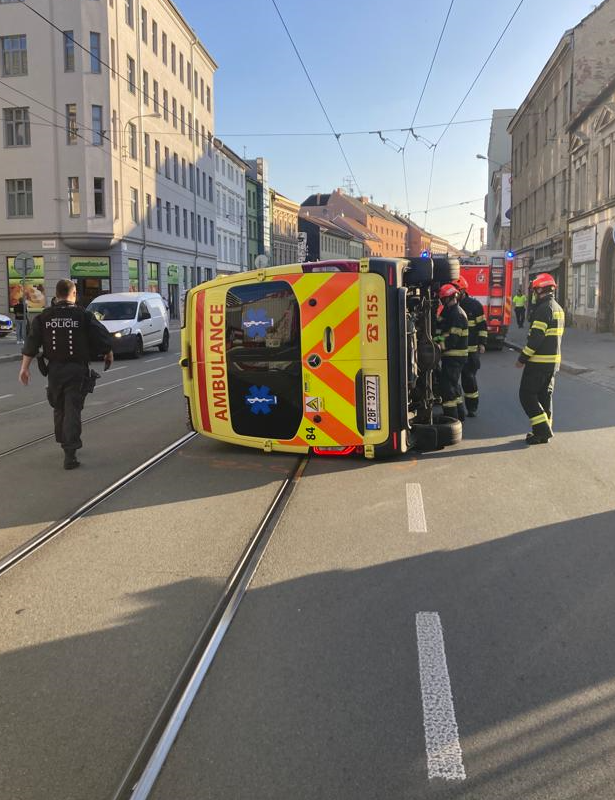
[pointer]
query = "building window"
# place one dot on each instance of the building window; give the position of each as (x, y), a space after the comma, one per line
(196, 83)
(147, 151)
(211, 231)
(196, 132)
(174, 112)
(211, 189)
(132, 86)
(157, 155)
(189, 126)
(188, 76)
(168, 215)
(591, 285)
(155, 37)
(159, 213)
(143, 25)
(202, 92)
(177, 223)
(185, 215)
(209, 98)
(129, 13)
(116, 200)
(134, 204)
(175, 167)
(69, 51)
(183, 121)
(156, 97)
(173, 59)
(191, 176)
(14, 55)
(192, 234)
(164, 48)
(16, 127)
(198, 228)
(181, 67)
(132, 140)
(97, 126)
(71, 123)
(148, 210)
(19, 197)
(184, 172)
(204, 230)
(99, 197)
(606, 172)
(167, 162)
(594, 178)
(198, 180)
(94, 52)
(74, 199)
(112, 49)
(145, 88)
(165, 105)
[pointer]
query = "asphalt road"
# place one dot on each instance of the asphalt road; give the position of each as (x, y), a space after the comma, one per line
(441, 616)
(507, 553)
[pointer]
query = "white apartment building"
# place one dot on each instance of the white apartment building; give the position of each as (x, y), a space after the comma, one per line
(106, 161)
(232, 242)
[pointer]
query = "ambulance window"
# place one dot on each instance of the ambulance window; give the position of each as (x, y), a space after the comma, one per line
(263, 351)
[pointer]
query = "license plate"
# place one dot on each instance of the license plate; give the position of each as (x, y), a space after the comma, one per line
(372, 402)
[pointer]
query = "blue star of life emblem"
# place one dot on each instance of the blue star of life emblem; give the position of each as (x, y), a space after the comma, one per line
(260, 400)
(257, 322)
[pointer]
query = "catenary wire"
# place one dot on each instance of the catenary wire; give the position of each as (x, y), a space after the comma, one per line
(333, 131)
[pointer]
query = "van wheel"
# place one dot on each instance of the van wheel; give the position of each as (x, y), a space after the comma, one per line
(444, 432)
(446, 270)
(138, 351)
(165, 342)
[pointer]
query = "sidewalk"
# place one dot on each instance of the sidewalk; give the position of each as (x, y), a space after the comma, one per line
(589, 355)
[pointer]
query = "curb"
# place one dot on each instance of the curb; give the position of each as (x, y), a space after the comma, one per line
(565, 366)
(15, 357)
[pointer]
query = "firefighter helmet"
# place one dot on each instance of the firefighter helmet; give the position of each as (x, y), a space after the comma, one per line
(461, 283)
(543, 281)
(448, 290)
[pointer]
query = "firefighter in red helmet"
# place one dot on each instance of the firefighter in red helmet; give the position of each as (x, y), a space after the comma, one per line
(477, 339)
(540, 359)
(452, 336)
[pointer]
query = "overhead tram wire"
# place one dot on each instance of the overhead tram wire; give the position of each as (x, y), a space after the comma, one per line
(465, 97)
(324, 110)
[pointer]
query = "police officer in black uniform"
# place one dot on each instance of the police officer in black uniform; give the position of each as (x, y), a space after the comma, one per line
(68, 334)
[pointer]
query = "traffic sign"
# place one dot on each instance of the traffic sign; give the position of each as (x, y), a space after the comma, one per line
(23, 264)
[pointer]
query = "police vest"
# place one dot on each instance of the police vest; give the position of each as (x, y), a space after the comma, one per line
(65, 334)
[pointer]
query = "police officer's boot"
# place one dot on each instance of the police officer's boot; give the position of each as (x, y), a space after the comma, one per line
(70, 460)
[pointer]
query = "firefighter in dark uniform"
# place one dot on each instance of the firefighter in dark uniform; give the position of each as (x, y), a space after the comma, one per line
(68, 334)
(540, 359)
(477, 340)
(452, 336)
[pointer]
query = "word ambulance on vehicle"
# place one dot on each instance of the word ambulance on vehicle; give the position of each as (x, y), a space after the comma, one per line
(489, 277)
(335, 357)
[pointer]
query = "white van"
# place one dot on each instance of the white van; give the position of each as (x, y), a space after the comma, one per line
(137, 320)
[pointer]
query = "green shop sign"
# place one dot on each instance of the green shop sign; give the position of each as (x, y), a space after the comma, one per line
(37, 272)
(172, 274)
(89, 267)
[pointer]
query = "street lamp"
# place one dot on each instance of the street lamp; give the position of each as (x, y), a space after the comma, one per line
(490, 160)
(478, 216)
(155, 115)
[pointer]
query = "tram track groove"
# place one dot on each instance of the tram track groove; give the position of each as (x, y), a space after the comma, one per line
(151, 755)
(36, 542)
(93, 418)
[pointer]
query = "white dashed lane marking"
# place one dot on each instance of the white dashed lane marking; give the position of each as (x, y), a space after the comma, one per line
(444, 757)
(416, 513)
(4, 396)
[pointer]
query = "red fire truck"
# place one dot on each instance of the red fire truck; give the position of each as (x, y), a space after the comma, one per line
(489, 275)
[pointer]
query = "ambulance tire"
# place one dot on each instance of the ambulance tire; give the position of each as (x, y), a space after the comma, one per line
(444, 432)
(446, 270)
(421, 271)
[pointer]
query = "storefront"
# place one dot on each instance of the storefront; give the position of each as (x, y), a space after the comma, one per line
(34, 284)
(173, 289)
(133, 274)
(92, 276)
(583, 293)
(153, 276)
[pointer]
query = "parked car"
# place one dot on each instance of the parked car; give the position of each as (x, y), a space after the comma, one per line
(137, 320)
(6, 325)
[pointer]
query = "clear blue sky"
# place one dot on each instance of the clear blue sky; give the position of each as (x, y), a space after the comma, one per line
(368, 61)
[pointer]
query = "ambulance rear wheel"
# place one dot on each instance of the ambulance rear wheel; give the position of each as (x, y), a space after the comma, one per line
(446, 270)
(444, 432)
(450, 430)
(138, 351)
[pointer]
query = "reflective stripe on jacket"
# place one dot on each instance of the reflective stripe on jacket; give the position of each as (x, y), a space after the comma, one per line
(477, 322)
(452, 332)
(544, 340)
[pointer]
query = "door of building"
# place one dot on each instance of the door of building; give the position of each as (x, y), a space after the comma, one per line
(606, 305)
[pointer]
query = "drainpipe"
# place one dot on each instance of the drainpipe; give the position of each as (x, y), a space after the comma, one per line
(193, 107)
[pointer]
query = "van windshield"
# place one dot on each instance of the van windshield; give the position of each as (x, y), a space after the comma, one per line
(263, 349)
(113, 310)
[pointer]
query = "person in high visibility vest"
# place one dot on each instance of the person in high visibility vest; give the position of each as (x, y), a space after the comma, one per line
(477, 340)
(452, 337)
(540, 360)
(520, 302)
